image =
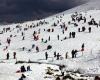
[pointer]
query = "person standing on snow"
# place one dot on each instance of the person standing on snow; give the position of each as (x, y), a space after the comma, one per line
(82, 48)
(72, 53)
(49, 38)
(14, 55)
(58, 56)
(70, 35)
(55, 54)
(89, 29)
(66, 55)
(7, 56)
(46, 55)
(37, 49)
(58, 37)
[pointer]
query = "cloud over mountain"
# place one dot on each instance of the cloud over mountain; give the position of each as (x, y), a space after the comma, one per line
(20, 10)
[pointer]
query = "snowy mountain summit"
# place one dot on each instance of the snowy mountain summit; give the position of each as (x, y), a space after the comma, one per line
(65, 46)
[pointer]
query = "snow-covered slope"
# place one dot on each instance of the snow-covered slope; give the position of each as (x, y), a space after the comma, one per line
(87, 64)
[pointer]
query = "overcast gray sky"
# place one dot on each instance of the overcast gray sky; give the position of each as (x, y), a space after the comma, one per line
(21, 10)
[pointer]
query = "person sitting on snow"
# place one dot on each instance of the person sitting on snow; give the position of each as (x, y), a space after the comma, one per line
(22, 77)
(23, 69)
(28, 68)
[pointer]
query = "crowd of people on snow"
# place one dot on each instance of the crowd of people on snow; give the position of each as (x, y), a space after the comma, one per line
(76, 18)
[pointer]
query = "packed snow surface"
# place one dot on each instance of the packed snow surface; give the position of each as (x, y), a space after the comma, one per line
(87, 62)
